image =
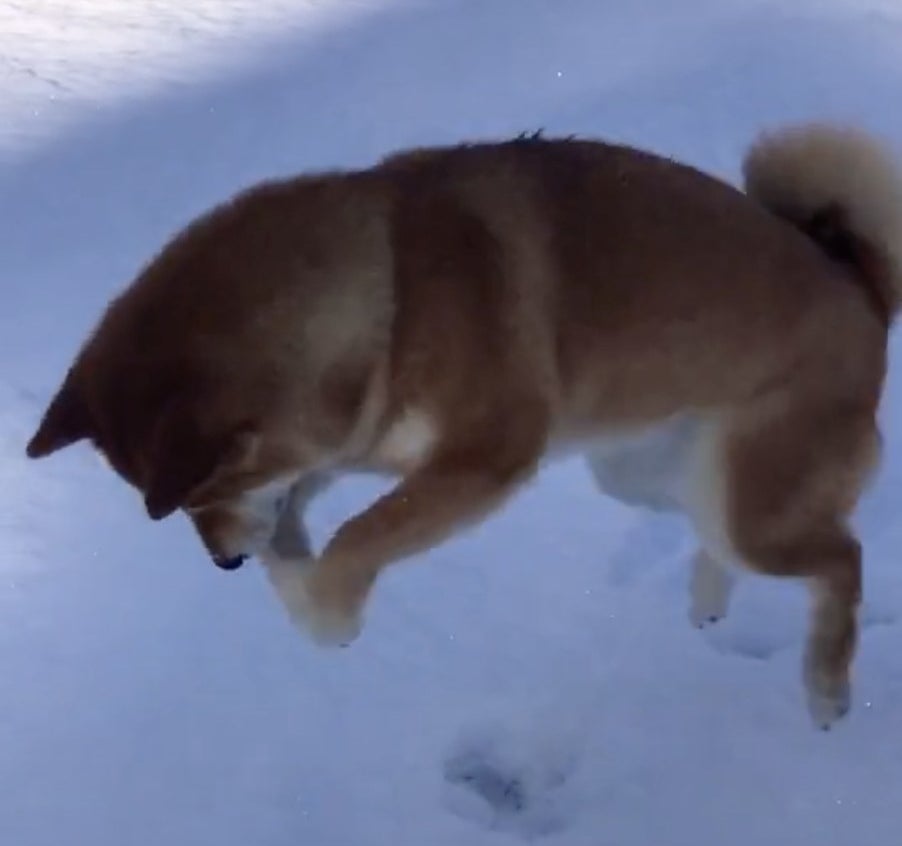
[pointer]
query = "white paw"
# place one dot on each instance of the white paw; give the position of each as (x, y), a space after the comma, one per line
(325, 627)
(329, 628)
(710, 589)
(702, 616)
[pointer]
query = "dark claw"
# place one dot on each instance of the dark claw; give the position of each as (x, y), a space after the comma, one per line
(232, 563)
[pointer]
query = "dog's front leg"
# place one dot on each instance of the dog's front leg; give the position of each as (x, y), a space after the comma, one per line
(288, 555)
(457, 487)
(290, 540)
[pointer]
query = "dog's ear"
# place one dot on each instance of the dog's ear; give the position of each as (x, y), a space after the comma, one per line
(183, 458)
(65, 422)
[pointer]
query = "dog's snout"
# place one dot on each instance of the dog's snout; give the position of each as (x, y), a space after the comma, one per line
(229, 562)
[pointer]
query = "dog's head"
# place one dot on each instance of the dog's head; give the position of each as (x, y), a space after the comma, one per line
(182, 450)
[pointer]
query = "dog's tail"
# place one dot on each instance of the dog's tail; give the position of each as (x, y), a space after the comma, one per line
(841, 188)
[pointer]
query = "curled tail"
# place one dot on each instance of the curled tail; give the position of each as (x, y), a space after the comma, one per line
(841, 188)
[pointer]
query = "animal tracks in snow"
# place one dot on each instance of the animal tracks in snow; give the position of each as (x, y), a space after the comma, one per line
(513, 779)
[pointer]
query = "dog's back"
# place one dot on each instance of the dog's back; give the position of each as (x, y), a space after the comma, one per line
(619, 261)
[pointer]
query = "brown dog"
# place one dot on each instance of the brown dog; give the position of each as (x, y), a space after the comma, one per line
(453, 315)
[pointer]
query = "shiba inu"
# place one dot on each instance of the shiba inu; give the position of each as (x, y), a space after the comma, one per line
(452, 316)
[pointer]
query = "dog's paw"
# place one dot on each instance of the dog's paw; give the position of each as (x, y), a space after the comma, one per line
(828, 702)
(318, 600)
(702, 618)
(707, 610)
(336, 595)
(326, 624)
(329, 628)
(710, 590)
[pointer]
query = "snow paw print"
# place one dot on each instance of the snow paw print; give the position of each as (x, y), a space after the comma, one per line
(502, 781)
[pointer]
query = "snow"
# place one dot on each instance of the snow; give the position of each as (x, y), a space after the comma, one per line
(535, 679)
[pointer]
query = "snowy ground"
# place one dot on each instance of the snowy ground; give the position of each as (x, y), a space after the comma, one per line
(535, 679)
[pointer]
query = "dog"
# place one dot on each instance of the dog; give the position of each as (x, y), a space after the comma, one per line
(454, 316)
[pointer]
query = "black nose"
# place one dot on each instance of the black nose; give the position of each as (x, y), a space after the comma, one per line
(226, 563)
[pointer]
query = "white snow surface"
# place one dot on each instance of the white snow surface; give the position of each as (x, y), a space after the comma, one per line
(535, 679)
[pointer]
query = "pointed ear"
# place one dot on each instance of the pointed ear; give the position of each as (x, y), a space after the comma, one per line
(183, 459)
(65, 422)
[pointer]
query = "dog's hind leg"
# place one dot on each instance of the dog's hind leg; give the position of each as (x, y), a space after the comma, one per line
(778, 483)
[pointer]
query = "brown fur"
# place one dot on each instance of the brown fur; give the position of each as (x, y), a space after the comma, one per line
(452, 315)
